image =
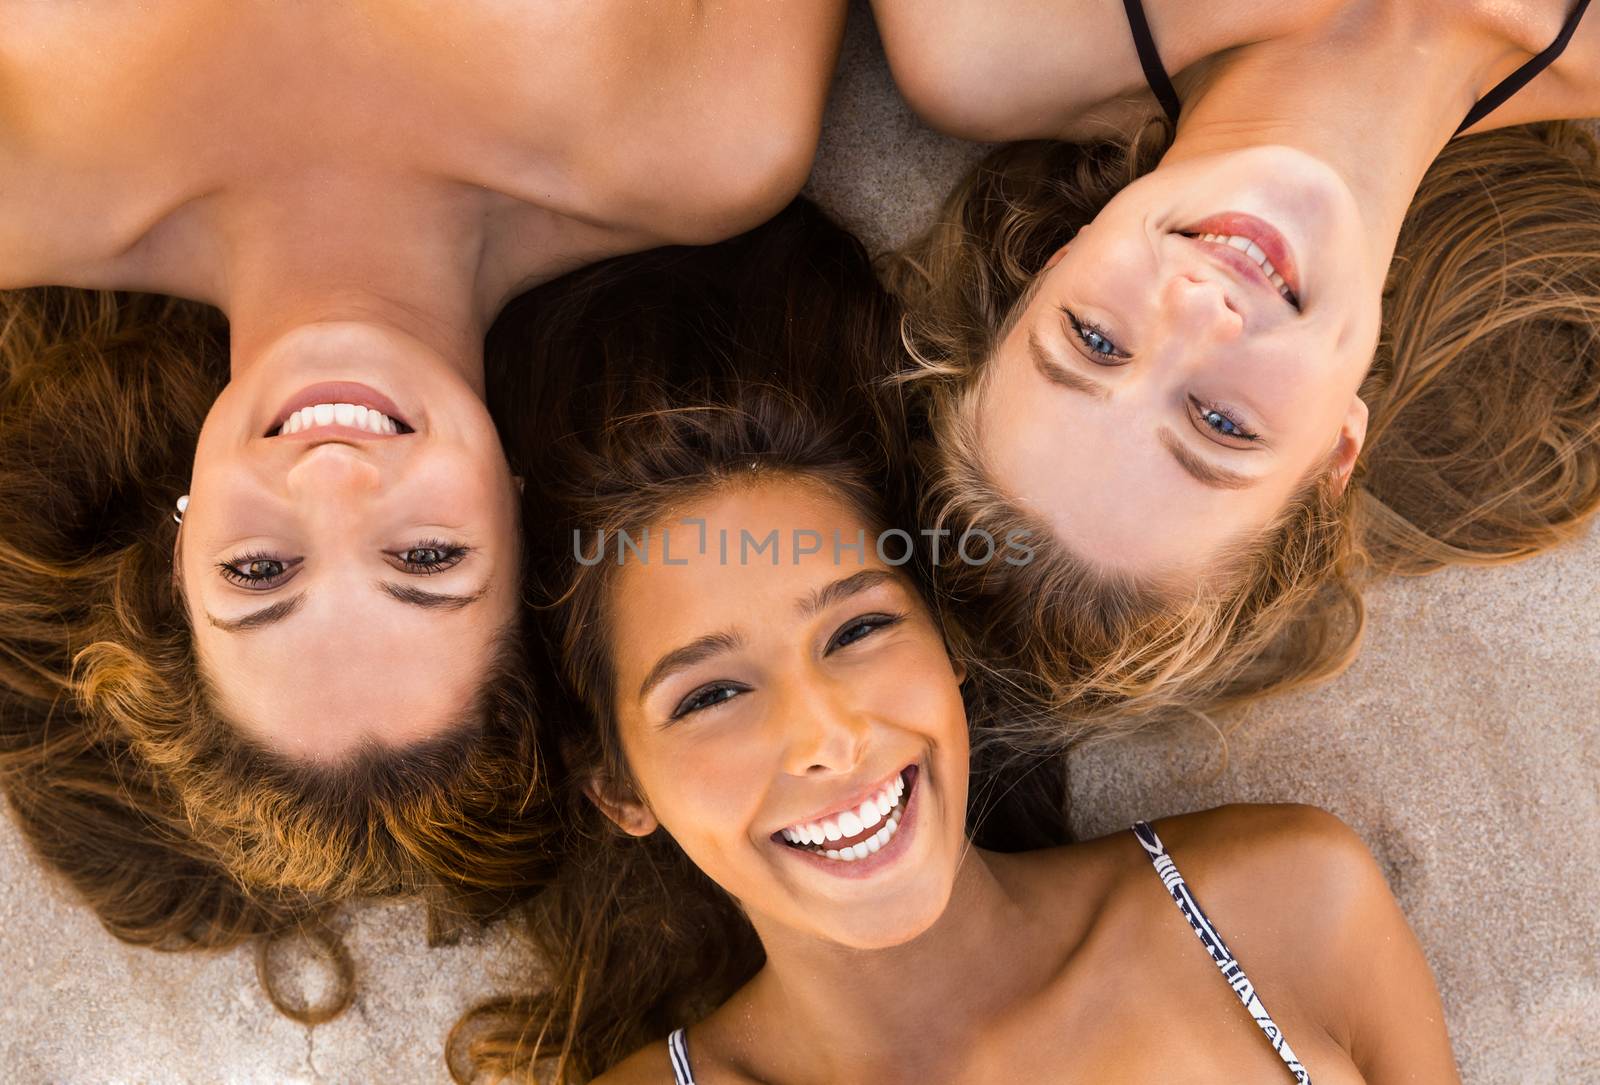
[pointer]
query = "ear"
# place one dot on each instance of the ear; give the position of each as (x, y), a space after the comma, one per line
(1352, 434)
(522, 483)
(1055, 257)
(622, 807)
(960, 668)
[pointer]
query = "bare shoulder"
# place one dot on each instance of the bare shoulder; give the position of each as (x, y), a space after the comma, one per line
(649, 1065)
(1310, 912)
(1018, 69)
(1569, 88)
(714, 116)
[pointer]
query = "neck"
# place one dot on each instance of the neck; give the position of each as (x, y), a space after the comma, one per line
(1376, 100)
(907, 1012)
(408, 262)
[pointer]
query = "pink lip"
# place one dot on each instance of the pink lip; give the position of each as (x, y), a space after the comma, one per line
(339, 392)
(1264, 234)
(866, 868)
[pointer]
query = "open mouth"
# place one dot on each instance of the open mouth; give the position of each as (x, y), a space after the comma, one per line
(854, 833)
(1253, 245)
(340, 408)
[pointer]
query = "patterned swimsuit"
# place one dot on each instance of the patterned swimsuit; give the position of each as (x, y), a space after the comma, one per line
(678, 1042)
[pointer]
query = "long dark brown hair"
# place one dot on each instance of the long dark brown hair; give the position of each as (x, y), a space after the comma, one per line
(172, 827)
(658, 380)
(1483, 444)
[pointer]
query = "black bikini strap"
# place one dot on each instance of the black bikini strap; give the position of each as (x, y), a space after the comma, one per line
(1524, 75)
(1150, 60)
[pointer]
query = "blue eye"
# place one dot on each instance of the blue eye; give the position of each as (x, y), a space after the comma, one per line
(1222, 423)
(1093, 337)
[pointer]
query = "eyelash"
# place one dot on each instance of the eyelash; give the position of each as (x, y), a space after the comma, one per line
(231, 571)
(1084, 329)
(1207, 409)
(870, 622)
(453, 556)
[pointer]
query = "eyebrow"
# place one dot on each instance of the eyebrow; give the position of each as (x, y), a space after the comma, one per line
(1202, 471)
(696, 651)
(1056, 373)
(430, 600)
(277, 612)
(416, 597)
(829, 594)
(703, 648)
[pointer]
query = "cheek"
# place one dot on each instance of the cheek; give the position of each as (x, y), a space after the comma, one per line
(706, 789)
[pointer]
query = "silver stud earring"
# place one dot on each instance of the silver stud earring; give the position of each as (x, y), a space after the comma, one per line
(183, 507)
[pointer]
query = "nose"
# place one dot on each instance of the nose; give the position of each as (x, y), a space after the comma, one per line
(334, 469)
(1198, 307)
(825, 733)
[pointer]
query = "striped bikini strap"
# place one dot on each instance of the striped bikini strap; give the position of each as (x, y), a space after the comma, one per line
(1230, 968)
(678, 1052)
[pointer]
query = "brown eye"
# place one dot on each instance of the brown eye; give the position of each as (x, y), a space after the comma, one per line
(431, 556)
(256, 571)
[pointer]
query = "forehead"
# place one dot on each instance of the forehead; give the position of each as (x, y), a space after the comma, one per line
(351, 666)
(748, 552)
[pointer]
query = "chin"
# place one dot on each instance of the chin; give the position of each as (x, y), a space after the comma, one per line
(905, 918)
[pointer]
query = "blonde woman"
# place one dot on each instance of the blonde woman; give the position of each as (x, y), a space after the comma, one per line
(260, 632)
(1278, 321)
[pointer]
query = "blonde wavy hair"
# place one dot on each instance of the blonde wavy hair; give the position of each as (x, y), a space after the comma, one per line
(1483, 444)
(173, 827)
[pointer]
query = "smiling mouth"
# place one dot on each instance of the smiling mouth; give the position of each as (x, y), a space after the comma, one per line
(342, 408)
(855, 833)
(341, 416)
(1251, 245)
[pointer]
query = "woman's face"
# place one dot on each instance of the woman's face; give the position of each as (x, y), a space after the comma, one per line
(762, 703)
(1188, 361)
(348, 578)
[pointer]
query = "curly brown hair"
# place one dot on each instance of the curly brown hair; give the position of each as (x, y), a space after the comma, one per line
(1493, 297)
(177, 830)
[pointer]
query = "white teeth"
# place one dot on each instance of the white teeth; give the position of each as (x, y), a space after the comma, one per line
(880, 810)
(1256, 253)
(869, 814)
(339, 414)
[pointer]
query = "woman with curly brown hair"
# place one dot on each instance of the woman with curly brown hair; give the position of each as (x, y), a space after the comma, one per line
(1162, 355)
(766, 870)
(260, 628)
